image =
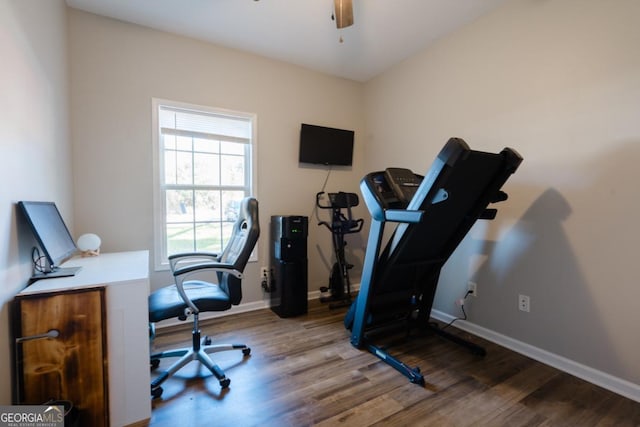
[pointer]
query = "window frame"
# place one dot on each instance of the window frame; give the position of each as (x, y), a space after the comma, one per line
(159, 203)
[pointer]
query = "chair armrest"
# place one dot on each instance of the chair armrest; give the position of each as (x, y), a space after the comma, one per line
(214, 266)
(181, 273)
(184, 257)
(193, 255)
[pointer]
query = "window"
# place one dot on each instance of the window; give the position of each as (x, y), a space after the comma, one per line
(203, 169)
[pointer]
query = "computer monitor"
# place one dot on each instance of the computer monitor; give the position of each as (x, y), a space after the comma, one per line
(53, 237)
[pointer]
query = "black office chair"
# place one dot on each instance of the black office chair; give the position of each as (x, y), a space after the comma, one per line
(190, 297)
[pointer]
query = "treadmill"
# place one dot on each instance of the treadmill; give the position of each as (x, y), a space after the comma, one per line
(431, 215)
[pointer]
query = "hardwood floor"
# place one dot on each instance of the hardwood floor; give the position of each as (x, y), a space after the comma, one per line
(303, 371)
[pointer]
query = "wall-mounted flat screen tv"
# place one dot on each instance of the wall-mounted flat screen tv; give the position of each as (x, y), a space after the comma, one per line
(325, 146)
(53, 237)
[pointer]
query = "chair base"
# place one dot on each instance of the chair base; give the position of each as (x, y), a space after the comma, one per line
(199, 352)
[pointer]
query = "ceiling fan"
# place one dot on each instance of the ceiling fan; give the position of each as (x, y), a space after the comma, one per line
(343, 13)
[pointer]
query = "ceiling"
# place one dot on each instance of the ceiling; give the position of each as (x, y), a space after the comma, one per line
(301, 31)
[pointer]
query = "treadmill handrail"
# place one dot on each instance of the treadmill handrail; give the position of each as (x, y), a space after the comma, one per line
(404, 216)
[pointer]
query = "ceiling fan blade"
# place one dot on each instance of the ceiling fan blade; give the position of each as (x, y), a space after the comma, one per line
(344, 13)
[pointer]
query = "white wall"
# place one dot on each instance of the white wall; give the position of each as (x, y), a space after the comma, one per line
(117, 68)
(34, 141)
(559, 81)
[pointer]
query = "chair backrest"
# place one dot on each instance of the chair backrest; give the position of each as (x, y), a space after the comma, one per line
(244, 237)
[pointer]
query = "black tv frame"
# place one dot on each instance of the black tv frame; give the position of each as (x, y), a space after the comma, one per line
(325, 145)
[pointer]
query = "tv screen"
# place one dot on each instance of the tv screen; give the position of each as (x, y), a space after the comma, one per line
(51, 232)
(326, 146)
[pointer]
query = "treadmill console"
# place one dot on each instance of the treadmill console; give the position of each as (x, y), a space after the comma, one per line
(390, 189)
(403, 182)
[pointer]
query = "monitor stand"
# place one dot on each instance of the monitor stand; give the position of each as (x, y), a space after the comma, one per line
(57, 272)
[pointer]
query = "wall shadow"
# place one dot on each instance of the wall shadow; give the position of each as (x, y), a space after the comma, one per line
(569, 252)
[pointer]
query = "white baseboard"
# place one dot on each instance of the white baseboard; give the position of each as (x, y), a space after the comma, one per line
(617, 385)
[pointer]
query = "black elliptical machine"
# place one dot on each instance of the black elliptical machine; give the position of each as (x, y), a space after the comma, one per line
(339, 226)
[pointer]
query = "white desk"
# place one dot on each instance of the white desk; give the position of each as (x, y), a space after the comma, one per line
(125, 276)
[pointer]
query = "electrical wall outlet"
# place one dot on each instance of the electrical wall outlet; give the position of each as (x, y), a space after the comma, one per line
(524, 303)
(472, 288)
(265, 279)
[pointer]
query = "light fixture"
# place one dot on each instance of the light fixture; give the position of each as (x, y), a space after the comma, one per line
(343, 13)
(89, 244)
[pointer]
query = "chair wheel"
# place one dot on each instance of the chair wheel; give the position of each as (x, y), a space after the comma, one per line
(156, 392)
(246, 351)
(207, 341)
(155, 363)
(224, 383)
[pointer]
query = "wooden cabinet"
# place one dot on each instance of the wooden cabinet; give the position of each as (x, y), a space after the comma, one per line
(71, 366)
(100, 359)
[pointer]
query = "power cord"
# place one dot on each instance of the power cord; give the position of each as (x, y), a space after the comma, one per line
(39, 261)
(324, 185)
(461, 308)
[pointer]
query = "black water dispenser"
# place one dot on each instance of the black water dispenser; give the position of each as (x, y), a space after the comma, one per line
(289, 265)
